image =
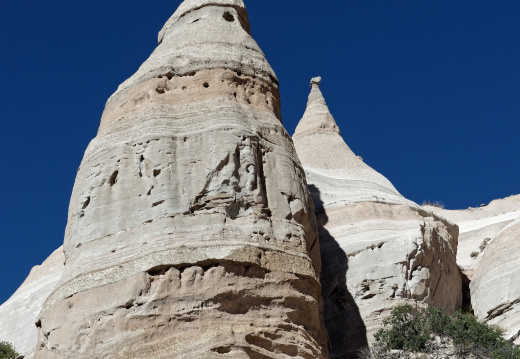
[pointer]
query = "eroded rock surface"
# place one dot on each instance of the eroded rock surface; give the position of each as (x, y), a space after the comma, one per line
(490, 256)
(191, 231)
(19, 314)
(378, 248)
(479, 227)
(495, 288)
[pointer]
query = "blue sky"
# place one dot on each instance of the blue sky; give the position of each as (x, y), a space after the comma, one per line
(427, 92)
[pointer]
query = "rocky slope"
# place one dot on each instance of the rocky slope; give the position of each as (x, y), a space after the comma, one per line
(489, 247)
(19, 314)
(191, 232)
(378, 248)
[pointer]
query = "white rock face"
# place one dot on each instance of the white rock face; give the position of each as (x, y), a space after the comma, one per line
(378, 248)
(478, 228)
(191, 231)
(343, 177)
(495, 288)
(489, 254)
(19, 314)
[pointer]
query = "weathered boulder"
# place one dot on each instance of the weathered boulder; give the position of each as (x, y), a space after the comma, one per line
(18, 315)
(489, 255)
(191, 231)
(378, 248)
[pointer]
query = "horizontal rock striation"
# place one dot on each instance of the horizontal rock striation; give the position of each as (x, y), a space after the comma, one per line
(378, 248)
(191, 231)
(478, 228)
(495, 288)
(19, 314)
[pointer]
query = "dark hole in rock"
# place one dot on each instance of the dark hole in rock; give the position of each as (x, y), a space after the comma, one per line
(228, 17)
(195, 21)
(170, 74)
(86, 203)
(184, 88)
(156, 172)
(157, 203)
(206, 85)
(160, 90)
(222, 350)
(113, 178)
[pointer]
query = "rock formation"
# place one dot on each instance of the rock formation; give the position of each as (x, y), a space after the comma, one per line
(478, 227)
(489, 247)
(378, 248)
(191, 232)
(20, 312)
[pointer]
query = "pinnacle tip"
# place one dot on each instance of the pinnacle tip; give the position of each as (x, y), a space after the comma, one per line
(316, 81)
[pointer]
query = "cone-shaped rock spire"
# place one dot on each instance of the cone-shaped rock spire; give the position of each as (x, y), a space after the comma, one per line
(378, 249)
(328, 159)
(191, 232)
(317, 117)
(189, 6)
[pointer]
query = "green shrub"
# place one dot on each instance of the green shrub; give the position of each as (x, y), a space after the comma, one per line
(407, 330)
(7, 351)
(410, 329)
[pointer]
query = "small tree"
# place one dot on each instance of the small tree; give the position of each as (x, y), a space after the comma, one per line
(7, 351)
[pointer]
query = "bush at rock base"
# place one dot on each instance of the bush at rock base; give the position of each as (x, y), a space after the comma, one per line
(7, 351)
(415, 330)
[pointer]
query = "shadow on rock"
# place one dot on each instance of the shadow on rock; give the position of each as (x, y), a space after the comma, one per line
(347, 331)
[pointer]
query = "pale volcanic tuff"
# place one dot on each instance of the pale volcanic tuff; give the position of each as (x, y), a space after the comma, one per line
(489, 247)
(191, 231)
(19, 313)
(378, 248)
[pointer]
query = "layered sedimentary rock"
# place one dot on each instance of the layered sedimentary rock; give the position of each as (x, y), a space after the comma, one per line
(20, 312)
(495, 288)
(191, 231)
(489, 255)
(478, 228)
(378, 248)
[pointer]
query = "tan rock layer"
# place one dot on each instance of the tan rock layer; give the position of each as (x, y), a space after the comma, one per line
(219, 310)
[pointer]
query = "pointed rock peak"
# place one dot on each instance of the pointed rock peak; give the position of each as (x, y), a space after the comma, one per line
(317, 117)
(236, 12)
(315, 81)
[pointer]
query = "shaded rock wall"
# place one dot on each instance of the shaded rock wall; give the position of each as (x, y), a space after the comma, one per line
(378, 248)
